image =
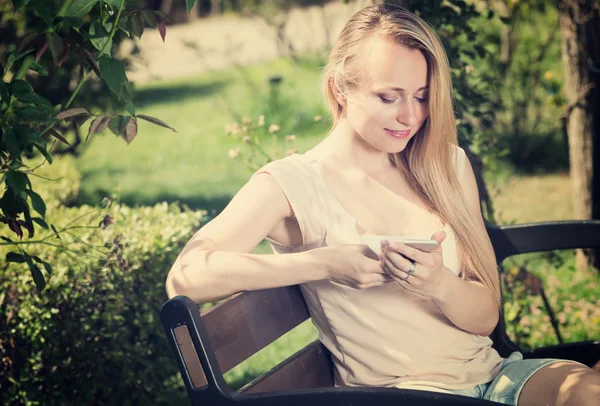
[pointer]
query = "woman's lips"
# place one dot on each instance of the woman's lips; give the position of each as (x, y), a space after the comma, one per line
(398, 134)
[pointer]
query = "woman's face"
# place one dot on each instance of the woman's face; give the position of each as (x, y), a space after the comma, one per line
(387, 109)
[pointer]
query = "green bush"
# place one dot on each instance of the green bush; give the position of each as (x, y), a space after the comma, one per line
(94, 335)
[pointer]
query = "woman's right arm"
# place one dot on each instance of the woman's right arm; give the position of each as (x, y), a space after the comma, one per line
(216, 262)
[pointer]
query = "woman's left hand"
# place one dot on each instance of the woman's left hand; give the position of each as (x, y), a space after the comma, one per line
(426, 276)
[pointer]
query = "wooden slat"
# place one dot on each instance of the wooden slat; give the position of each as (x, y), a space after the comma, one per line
(190, 356)
(243, 325)
(309, 368)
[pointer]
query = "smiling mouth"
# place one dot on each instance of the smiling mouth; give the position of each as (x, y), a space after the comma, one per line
(398, 134)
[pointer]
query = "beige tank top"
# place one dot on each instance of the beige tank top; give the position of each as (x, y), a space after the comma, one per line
(378, 336)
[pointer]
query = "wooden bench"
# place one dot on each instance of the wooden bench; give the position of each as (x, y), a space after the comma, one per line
(210, 344)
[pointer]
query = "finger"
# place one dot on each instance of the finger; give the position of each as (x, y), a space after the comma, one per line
(399, 261)
(409, 252)
(439, 236)
(386, 279)
(397, 274)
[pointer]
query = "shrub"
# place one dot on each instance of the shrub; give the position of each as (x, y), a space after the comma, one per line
(94, 336)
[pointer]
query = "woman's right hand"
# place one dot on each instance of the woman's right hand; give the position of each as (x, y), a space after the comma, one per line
(353, 265)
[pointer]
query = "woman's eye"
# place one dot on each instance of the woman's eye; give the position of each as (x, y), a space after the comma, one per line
(421, 100)
(386, 101)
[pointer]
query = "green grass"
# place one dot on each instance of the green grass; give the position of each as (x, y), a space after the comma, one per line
(192, 165)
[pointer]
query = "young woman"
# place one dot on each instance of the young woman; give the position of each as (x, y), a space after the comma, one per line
(389, 166)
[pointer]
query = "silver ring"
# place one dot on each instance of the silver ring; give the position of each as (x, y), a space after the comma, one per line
(411, 271)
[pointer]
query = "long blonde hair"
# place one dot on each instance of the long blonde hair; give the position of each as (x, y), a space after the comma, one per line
(427, 161)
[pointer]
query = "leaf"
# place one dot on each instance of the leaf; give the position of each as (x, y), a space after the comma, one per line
(163, 16)
(14, 257)
(70, 113)
(57, 135)
(41, 48)
(98, 125)
(38, 277)
(100, 35)
(87, 57)
(56, 45)
(130, 108)
(113, 73)
(37, 202)
(17, 4)
(39, 221)
(27, 40)
(149, 17)
(55, 232)
(46, 10)
(79, 8)
(130, 130)
(160, 24)
(36, 67)
(189, 4)
(13, 145)
(45, 153)
(114, 3)
(17, 181)
(137, 25)
(156, 121)
(20, 88)
(117, 124)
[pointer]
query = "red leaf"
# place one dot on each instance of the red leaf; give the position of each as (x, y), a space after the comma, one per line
(130, 130)
(65, 55)
(98, 125)
(160, 24)
(43, 45)
(156, 121)
(57, 135)
(14, 226)
(70, 113)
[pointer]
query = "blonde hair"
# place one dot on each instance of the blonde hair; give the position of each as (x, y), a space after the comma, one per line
(427, 161)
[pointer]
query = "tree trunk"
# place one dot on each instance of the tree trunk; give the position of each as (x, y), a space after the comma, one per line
(580, 27)
(215, 7)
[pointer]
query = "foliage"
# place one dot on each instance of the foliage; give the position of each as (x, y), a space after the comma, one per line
(95, 336)
(83, 30)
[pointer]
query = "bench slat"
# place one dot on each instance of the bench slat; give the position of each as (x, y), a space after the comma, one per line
(246, 323)
(309, 368)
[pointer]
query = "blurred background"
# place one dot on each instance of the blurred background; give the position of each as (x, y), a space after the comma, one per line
(239, 81)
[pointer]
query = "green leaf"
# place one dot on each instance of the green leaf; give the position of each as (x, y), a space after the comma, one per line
(79, 8)
(39, 221)
(14, 147)
(189, 4)
(118, 124)
(137, 25)
(37, 202)
(45, 153)
(114, 3)
(100, 35)
(17, 4)
(20, 88)
(38, 277)
(26, 41)
(14, 257)
(46, 265)
(55, 232)
(36, 67)
(113, 73)
(34, 114)
(130, 108)
(45, 10)
(149, 17)
(156, 121)
(17, 181)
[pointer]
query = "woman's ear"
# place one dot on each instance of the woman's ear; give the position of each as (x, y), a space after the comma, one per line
(341, 99)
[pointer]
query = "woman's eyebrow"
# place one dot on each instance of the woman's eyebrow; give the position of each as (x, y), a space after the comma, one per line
(399, 89)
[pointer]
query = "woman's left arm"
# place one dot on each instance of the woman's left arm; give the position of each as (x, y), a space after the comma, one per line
(468, 304)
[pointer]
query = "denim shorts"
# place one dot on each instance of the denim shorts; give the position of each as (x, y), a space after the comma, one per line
(507, 385)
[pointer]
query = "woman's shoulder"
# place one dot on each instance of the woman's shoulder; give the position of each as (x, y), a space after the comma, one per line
(458, 157)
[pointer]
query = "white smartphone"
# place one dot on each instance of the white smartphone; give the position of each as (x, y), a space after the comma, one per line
(423, 245)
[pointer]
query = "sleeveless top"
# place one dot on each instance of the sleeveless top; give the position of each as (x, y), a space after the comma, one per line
(378, 336)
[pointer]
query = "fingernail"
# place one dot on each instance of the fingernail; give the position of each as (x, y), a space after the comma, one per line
(384, 243)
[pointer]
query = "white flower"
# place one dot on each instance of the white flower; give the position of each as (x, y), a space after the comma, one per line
(273, 128)
(290, 137)
(246, 120)
(234, 152)
(318, 118)
(246, 139)
(261, 121)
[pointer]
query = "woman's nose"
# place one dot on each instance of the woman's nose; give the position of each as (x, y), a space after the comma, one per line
(407, 113)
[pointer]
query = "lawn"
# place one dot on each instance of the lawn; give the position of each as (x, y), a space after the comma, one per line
(192, 166)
